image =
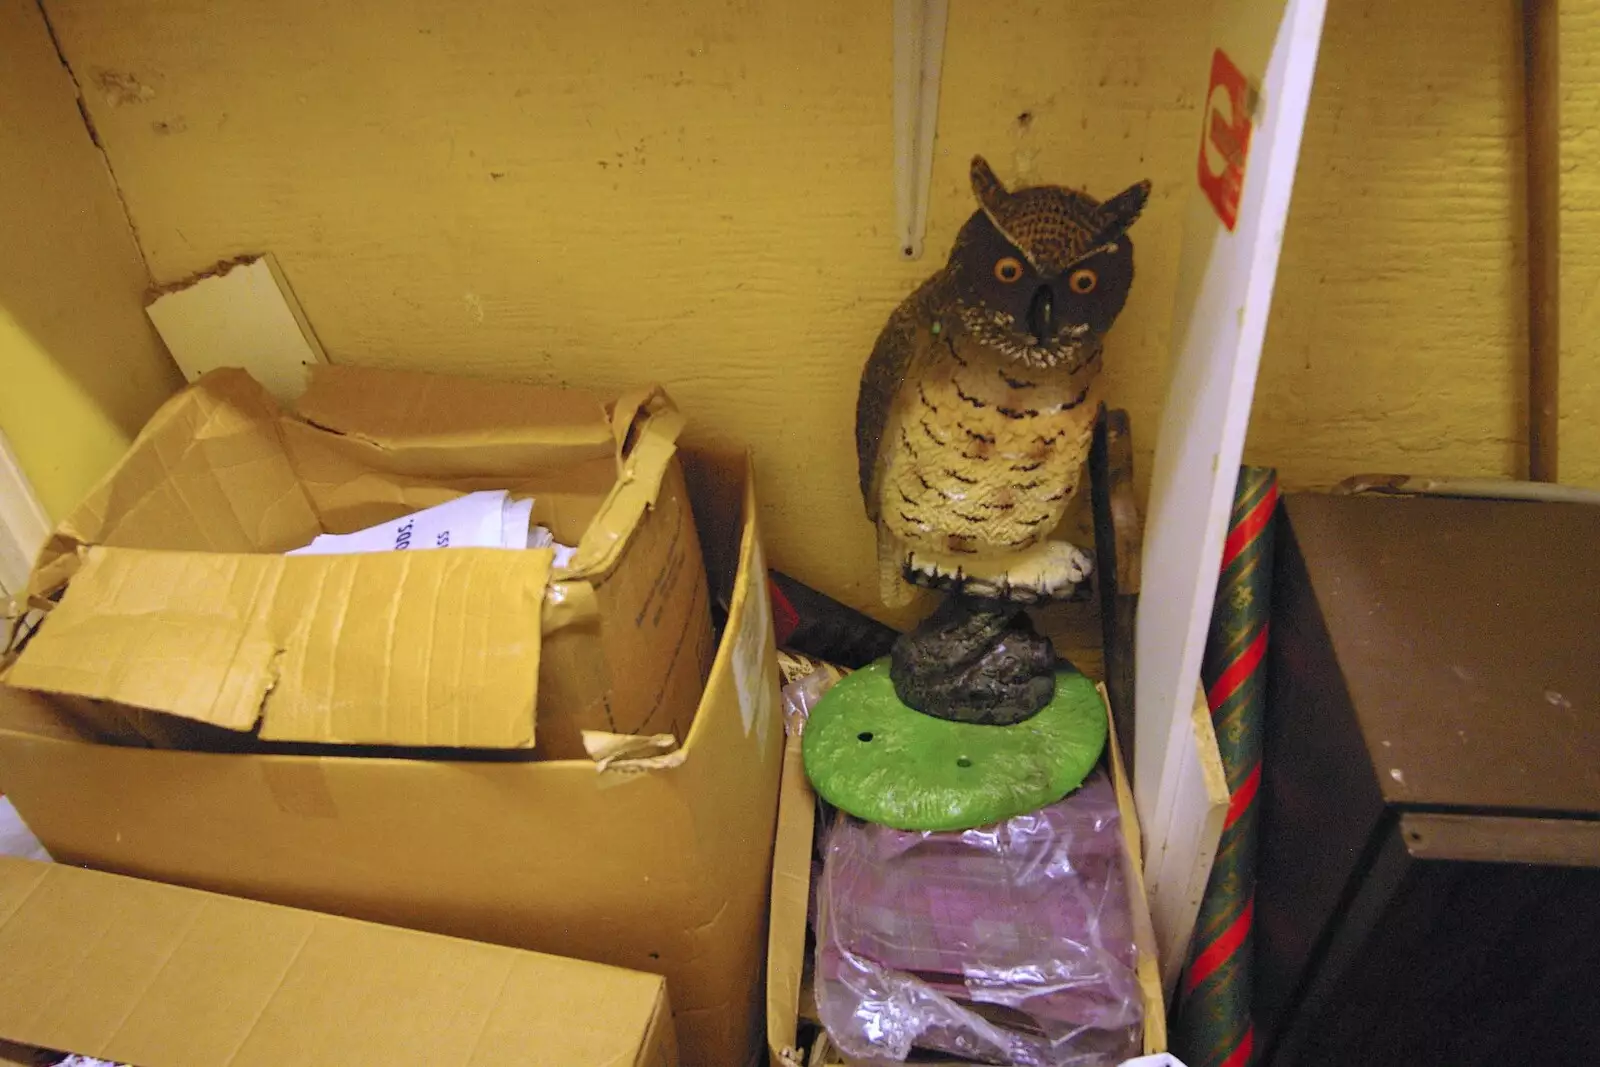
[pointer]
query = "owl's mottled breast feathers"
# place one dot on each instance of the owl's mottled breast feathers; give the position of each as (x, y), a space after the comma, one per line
(902, 337)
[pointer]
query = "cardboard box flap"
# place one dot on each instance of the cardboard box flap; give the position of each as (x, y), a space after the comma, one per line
(14, 1055)
(369, 445)
(354, 483)
(409, 410)
(645, 426)
(791, 900)
(308, 648)
(207, 473)
(161, 976)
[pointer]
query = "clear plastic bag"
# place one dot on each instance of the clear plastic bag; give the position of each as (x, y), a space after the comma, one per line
(802, 694)
(1011, 943)
(15, 837)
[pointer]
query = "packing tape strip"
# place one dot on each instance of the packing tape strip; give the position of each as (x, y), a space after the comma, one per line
(646, 425)
(631, 753)
(568, 604)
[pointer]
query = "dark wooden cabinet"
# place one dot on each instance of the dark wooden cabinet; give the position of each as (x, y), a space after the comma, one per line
(1429, 876)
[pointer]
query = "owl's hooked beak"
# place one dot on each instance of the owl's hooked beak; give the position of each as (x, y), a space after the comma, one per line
(1041, 316)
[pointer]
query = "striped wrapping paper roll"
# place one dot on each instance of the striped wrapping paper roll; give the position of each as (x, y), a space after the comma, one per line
(1213, 1027)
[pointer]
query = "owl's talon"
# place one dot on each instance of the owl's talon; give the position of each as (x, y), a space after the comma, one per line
(1054, 570)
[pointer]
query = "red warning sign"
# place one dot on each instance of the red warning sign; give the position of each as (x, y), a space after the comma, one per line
(1225, 140)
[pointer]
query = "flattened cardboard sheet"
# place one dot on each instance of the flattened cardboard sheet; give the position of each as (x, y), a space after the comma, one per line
(412, 648)
(160, 976)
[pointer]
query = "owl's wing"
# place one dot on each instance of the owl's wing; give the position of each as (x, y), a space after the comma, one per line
(903, 337)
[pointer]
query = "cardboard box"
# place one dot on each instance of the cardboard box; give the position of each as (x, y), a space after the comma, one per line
(178, 600)
(788, 953)
(157, 976)
(662, 870)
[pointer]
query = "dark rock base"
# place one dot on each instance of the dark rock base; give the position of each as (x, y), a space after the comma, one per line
(975, 660)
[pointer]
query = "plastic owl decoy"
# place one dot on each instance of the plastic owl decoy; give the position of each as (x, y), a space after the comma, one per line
(978, 404)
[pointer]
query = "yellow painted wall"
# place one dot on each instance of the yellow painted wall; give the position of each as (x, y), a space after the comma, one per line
(1580, 242)
(1399, 328)
(701, 194)
(80, 369)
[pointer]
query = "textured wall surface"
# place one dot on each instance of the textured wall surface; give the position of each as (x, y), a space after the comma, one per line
(80, 368)
(610, 192)
(1399, 328)
(1580, 242)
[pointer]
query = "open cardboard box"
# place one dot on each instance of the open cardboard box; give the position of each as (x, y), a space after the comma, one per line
(1117, 534)
(788, 951)
(159, 976)
(657, 865)
(175, 597)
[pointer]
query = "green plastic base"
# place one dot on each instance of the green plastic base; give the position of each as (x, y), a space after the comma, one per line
(872, 756)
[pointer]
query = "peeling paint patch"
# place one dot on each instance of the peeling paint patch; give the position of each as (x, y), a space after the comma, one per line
(122, 89)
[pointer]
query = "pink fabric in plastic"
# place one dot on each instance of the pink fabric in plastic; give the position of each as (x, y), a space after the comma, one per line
(1010, 943)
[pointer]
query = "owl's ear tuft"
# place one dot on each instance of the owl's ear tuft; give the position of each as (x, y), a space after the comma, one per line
(1121, 211)
(986, 187)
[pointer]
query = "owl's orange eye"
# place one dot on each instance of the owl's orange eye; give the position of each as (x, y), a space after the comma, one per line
(1008, 270)
(1083, 281)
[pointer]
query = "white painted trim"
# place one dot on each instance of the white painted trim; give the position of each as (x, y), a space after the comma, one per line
(24, 526)
(1178, 869)
(1219, 323)
(244, 317)
(918, 64)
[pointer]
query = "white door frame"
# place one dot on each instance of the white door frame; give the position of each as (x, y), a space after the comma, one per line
(24, 526)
